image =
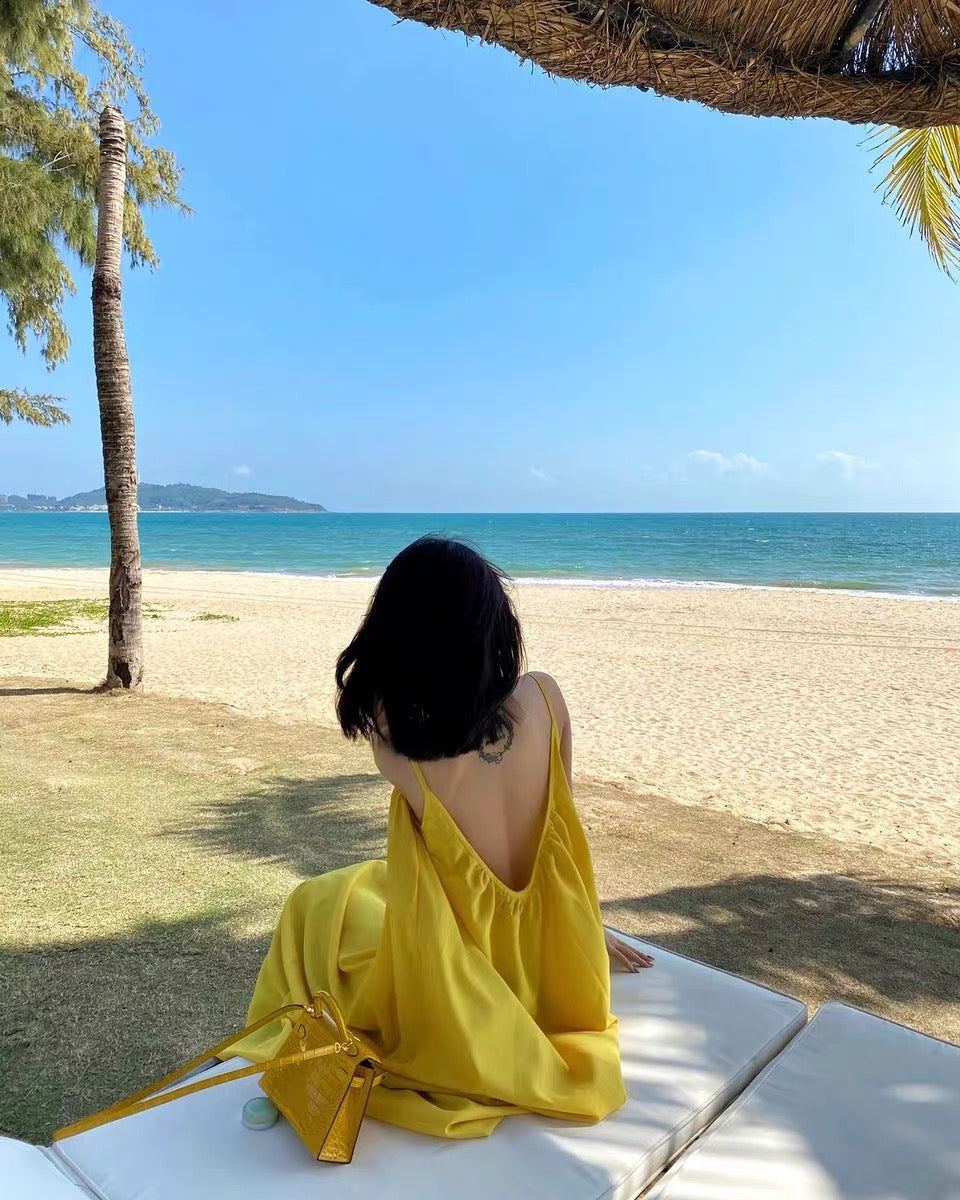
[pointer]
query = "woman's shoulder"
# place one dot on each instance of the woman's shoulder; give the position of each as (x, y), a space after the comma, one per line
(552, 693)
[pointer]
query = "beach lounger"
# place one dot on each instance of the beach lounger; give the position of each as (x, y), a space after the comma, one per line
(691, 1039)
(33, 1173)
(855, 1108)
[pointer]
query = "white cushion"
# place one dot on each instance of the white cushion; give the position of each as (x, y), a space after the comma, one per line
(856, 1108)
(691, 1038)
(29, 1173)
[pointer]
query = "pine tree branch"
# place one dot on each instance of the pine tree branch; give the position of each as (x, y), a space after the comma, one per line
(35, 410)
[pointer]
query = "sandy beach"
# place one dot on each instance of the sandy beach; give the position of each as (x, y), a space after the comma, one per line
(814, 711)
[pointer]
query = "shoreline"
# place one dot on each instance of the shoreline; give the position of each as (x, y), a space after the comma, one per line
(600, 583)
(814, 711)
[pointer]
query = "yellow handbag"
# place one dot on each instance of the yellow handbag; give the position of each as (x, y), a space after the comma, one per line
(321, 1080)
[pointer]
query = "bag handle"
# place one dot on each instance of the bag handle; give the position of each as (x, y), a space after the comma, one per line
(144, 1099)
(323, 1000)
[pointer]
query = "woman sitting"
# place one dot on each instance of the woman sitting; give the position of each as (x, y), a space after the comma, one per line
(474, 958)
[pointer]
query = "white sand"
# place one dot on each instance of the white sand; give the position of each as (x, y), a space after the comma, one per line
(826, 712)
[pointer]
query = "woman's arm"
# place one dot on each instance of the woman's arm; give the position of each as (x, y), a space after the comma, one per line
(396, 769)
(622, 954)
(562, 716)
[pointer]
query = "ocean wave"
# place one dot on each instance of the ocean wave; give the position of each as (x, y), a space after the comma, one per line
(585, 581)
(636, 583)
(697, 585)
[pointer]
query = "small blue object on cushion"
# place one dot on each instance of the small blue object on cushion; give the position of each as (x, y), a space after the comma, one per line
(260, 1113)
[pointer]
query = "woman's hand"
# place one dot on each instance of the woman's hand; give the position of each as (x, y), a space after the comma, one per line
(625, 956)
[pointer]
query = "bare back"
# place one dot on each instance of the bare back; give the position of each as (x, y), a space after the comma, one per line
(498, 797)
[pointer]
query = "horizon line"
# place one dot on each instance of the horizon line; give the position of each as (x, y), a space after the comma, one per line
(477, 512)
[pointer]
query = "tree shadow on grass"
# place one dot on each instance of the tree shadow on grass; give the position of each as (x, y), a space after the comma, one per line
(83, 1023)
(852, 938)
(313, 824)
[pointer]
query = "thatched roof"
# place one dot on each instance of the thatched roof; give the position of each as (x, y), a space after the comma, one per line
(890, 61)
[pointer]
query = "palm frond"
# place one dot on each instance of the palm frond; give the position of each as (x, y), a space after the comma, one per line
(922, 184)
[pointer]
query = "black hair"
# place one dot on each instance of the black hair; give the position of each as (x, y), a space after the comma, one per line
(437, 656)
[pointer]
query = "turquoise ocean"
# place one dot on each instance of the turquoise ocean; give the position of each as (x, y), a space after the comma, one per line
(913, 553)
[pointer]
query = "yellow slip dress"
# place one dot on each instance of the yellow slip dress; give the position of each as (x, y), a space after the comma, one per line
(482, 1000)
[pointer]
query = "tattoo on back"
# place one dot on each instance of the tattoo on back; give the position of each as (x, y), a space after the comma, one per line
(496, 756)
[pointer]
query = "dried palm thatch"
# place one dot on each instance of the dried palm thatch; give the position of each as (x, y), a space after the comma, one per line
(885, 61)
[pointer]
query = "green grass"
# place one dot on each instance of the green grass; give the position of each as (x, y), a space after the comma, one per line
(19, 618)
(147, 844)
(214, 616)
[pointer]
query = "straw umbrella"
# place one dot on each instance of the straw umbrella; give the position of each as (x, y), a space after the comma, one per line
(888, 62)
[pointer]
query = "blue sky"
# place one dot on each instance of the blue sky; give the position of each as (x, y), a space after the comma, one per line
(423, 277)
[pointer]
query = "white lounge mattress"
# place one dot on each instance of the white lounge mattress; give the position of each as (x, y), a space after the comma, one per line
(855, 1108)
(30, 1173)
(691, 1039)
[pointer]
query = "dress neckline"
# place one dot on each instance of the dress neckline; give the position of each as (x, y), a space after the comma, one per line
(433, 803)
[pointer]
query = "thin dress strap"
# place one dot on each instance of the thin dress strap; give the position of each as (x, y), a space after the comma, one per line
(421, 778)
(553, 719)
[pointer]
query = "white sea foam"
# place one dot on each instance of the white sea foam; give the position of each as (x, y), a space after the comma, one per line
(581, 581)
(718, 585)
(650, 583)
(660, 583)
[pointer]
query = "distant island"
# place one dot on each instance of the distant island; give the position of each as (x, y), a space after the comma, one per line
(160, 497)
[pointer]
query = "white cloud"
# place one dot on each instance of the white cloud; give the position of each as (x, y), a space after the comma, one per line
(849, 465)
(243, 471)
(540, 475)
(730, 464)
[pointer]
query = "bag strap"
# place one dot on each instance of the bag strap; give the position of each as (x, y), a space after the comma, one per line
(144, 1099)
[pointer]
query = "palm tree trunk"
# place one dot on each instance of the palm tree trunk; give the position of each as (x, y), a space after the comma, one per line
(125, 654)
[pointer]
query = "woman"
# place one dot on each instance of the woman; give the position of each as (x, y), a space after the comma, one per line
(474, 958)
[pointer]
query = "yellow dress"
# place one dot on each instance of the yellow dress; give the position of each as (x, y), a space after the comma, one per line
(482, 1001)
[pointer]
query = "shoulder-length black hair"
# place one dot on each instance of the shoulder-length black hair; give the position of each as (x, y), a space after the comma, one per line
(437, 656)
